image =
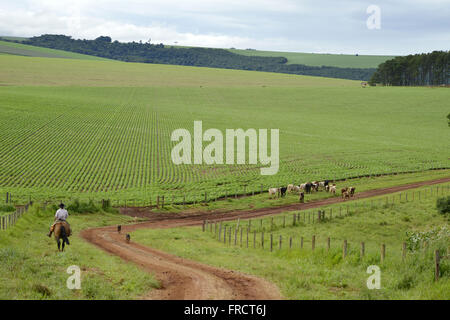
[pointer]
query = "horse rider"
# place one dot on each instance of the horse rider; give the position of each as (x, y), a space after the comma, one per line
(60, 216)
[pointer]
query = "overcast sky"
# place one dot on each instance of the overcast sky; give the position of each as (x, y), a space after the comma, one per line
(325, 26)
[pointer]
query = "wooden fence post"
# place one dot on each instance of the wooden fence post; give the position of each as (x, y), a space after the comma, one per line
(203, 226)
(247, 236)
(313, 242)
(224, 234)
(240, 240)
(363, 249)
(281, 239)
(290, 243)
(436, 265)
(383, 252)
(262, 239)
(271, 242)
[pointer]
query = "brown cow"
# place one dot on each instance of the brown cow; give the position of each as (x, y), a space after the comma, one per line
(345, 195)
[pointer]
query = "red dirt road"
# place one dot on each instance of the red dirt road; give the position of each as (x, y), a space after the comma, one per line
(185, 279)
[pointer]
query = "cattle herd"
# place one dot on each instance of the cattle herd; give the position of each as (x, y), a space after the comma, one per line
(309, 187)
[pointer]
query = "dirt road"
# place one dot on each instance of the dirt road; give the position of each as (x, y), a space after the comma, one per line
(185, 279)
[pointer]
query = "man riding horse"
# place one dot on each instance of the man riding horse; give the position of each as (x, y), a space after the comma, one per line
(61, 218)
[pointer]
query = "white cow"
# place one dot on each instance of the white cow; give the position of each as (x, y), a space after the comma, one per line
(290, 187)
(273, 191)
(333, 189)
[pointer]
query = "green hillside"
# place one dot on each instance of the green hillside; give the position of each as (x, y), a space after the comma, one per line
(38, 71)
(321, 59)
(14, 48)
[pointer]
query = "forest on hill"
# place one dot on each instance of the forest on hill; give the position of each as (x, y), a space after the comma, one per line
(427, 69)
(103, 46)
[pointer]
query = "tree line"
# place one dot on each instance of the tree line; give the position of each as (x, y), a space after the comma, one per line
(425, 69)
(201, 57)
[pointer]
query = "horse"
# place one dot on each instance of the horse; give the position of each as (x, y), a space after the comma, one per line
(62, 232)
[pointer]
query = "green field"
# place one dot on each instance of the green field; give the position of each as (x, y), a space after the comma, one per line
(309, 59)
(321, 59)
(102, 128)
(32, 267)
(317, 59)
(13, 48)
(302, 273)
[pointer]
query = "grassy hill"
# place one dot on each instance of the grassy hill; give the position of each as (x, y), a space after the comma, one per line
(38, 71)
(102, 128)
(13, 48)
(309, 59)
(33, 269)
(317, 59)
(321, 59)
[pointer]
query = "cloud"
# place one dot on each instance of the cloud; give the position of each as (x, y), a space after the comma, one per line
(280, 25)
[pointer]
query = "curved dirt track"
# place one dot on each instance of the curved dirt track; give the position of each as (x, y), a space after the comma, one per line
(185, 279)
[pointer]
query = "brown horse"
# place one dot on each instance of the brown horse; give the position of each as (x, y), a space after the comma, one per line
(62, 232)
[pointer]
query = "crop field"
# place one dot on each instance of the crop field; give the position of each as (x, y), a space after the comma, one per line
(102, 128)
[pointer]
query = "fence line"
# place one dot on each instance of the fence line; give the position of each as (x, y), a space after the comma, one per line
(11, 219)
(188, 198)
(324, 215)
